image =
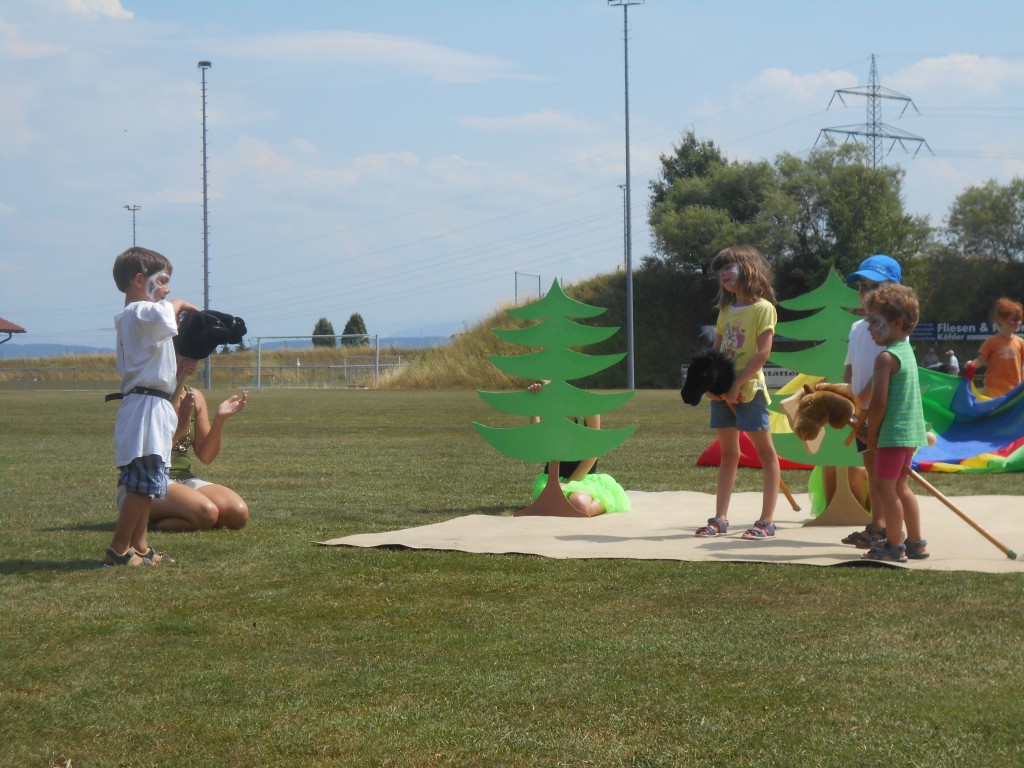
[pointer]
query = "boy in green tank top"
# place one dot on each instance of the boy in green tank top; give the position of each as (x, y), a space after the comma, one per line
(896, 427)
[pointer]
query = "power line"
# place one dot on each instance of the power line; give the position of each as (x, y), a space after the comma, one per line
(471, 254)
(423, 288)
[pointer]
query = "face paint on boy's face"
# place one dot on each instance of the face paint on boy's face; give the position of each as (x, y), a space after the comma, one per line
(155, 283)
(877, 325)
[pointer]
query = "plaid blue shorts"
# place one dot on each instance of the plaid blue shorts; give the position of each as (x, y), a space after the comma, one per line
(749, 417)
(145, 474)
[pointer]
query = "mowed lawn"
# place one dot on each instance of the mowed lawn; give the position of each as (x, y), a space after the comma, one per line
(260, 648)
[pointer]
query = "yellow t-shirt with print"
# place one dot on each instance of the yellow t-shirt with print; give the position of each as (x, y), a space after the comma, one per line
(739, 328)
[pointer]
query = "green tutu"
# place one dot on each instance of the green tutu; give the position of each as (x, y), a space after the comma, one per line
(604, 488)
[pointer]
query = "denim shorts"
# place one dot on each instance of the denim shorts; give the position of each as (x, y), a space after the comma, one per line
(145, 474)
(749, 417)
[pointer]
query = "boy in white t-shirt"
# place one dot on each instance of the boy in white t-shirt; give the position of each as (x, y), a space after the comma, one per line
(146, 420)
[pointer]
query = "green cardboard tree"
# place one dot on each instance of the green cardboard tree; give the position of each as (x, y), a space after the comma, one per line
(830, 327)
(554, 437)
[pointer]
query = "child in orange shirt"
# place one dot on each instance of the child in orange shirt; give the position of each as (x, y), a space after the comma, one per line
(1003, 353)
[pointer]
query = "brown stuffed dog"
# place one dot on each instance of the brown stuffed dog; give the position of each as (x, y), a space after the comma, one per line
(822, 404)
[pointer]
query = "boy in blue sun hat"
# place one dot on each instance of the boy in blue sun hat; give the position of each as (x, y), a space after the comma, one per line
(876, 269)
(874, 272)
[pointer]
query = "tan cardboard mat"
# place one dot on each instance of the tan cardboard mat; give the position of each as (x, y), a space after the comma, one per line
(661, 527)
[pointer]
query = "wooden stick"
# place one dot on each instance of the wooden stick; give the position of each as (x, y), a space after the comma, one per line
(963, 516)
(785, 491)
(855, 427)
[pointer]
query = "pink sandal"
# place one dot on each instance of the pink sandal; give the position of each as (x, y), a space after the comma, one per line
(716, 526)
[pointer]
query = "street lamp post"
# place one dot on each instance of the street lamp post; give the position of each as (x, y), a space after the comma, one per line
(525, 274)
(630, 380)
(203, 66)
(133, 208)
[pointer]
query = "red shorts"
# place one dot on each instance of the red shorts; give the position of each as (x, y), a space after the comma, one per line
(889, 462)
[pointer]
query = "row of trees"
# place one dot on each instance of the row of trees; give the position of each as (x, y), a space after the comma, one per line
(353, 335)
(830, 210)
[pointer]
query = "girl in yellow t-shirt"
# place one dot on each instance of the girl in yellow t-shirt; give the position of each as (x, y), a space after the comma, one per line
(744, 332)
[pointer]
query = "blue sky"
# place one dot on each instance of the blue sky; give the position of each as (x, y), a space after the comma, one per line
(405, 159)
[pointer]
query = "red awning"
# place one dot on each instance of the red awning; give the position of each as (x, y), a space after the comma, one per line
(6, 326)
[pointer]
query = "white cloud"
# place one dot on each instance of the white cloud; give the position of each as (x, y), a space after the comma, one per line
(960, 72)
(93, 8)
(345, 47)
(14, 47)
(367, 168)
(382, 163)
(541, 120)
(304, 147)
(774, 89)
(5, 209)
(259, 155)
(332, 177)
(813, 89)
(457, 171)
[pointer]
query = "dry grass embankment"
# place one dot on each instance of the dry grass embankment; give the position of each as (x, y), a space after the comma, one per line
(102, 368)
(463, 363)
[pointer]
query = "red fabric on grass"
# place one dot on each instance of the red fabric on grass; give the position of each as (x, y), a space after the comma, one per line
(712, 456)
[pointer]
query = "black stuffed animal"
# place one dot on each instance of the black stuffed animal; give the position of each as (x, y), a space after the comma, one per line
(200, 333)
(709, 371)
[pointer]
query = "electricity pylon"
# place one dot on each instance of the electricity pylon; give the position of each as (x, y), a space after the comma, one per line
(874, 131)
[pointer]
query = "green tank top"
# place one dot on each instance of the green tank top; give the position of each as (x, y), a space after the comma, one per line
(903, 425)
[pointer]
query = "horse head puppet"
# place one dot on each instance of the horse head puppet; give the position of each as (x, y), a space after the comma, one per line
(824, 403)
(709, 371)
(200, 333)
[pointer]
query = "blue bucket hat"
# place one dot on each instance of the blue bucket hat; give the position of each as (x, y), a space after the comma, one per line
(878, 269)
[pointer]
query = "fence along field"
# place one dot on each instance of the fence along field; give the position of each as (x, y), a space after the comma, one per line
(298, 366)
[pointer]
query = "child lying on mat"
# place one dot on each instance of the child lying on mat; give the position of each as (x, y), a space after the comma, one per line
(590, 491)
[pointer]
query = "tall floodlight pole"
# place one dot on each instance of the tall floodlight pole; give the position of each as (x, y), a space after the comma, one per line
(133, 208)
(203, 66)
(630, 380)
(625, 226)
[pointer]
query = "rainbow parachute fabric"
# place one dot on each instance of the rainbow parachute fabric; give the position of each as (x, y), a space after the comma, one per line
(973, 433)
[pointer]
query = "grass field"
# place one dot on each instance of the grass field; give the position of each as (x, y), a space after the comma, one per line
(261, 649)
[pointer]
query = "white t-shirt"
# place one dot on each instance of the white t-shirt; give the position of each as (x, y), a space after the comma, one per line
(145, 358)
(860, 356)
